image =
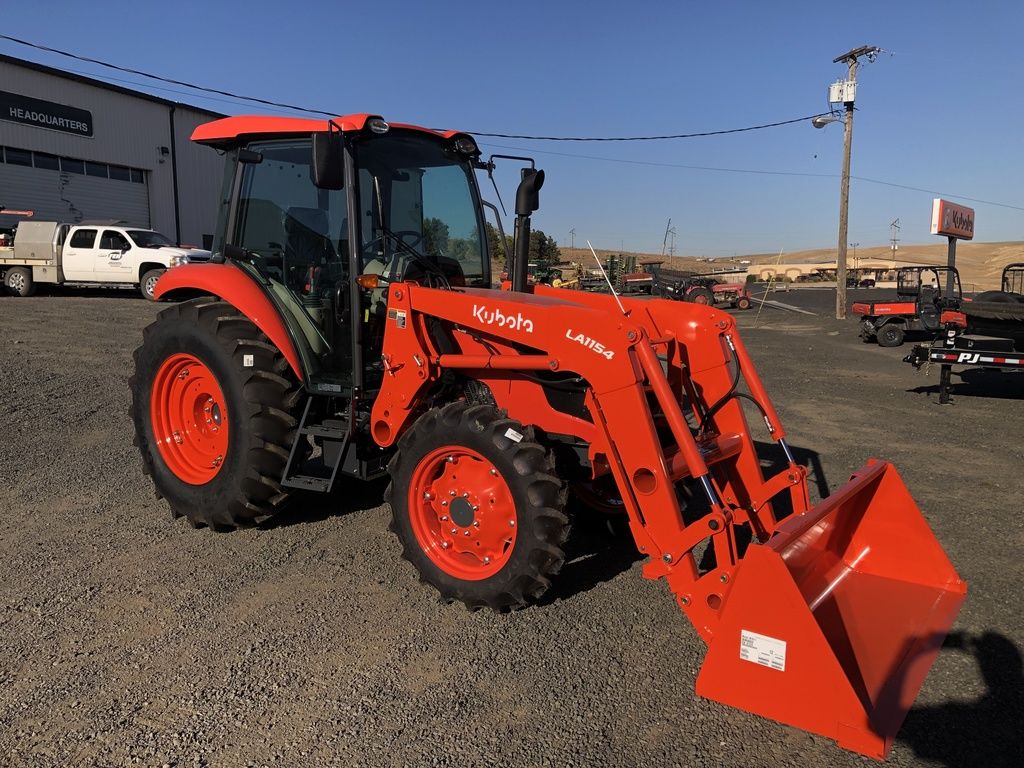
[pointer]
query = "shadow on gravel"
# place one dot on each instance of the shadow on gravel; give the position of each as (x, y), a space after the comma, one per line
(979, 382)
(773, 460)
(350, 495)
(599, 548)
(986, 732)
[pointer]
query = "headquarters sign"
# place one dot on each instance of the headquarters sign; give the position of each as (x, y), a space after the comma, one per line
(45, 114)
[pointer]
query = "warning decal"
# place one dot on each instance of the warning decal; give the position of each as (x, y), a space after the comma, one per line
(763, 650)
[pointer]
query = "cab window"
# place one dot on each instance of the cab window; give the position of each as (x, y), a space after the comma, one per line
(83, 238)
(113, 241)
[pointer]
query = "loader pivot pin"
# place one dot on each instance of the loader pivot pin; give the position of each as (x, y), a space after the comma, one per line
(471, 533)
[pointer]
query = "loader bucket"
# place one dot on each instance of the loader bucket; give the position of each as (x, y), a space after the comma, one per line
(832, 624)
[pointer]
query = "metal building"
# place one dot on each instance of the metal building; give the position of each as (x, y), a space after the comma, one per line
(74, 148)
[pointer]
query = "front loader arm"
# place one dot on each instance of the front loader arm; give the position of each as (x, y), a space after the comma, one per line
(632, 401)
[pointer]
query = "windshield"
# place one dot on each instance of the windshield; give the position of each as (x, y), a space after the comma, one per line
(413, 190)
(145, 238)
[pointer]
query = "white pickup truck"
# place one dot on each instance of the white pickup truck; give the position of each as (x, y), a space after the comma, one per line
(98, 254)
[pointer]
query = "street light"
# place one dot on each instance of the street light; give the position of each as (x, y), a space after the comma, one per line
(856, 264)
(822, 120)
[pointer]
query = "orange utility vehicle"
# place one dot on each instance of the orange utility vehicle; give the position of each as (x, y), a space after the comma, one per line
(920, 301)
(350, 328)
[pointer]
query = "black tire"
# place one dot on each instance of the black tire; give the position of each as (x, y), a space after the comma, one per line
(18, 281)
(890, 335)
(260, 396)
(700, 296)
(527, 469)
(147, 283)
(743, 302)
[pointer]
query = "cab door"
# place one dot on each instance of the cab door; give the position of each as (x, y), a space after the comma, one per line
(114, 262)
(78, 258)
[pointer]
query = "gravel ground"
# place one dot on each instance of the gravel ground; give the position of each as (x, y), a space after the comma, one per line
(130, 639)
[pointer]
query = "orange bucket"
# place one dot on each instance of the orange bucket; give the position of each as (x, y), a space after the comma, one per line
(832, 624)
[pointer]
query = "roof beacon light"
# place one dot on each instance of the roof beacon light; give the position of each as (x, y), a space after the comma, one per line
(377, 125)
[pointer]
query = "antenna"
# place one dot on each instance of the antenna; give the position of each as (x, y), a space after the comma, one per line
(605, 274)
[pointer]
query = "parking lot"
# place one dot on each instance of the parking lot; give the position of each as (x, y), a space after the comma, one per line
(129, 638)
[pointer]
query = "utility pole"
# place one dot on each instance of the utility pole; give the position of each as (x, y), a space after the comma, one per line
(895, 227)
(572, 237)
(850, 58)
(664, 240)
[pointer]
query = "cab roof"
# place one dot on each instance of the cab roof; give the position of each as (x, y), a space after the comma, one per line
(230, 130)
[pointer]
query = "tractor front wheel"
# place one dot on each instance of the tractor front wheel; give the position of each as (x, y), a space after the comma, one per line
(700, 296)
(477, 507)
(213, 404)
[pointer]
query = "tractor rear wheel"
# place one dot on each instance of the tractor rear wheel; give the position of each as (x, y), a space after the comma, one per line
(890, 335)
(700, 296)
(477, 507)
(214, 409)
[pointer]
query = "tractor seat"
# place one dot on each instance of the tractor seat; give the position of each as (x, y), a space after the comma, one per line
(308, 248)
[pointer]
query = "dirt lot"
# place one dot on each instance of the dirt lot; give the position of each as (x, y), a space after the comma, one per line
(127, 638)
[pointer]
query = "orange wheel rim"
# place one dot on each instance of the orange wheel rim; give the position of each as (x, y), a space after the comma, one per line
(190, 419)
(462, 513)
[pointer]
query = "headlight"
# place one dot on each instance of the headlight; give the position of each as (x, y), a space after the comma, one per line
(177, 261)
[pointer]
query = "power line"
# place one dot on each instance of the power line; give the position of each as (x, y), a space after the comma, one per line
(311, 110)
(646, 138)
(172, 81)
(754, 171)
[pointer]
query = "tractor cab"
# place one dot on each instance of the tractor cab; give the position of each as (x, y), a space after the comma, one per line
(327, 218)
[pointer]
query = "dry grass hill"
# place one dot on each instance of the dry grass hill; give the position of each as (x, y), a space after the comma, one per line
(980, 264)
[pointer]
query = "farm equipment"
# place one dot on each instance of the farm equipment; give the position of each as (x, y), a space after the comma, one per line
(987, 332)
(346, 328)
(918, 306)
(697, 289)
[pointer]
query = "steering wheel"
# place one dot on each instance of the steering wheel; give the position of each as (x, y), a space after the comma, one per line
(408, 237)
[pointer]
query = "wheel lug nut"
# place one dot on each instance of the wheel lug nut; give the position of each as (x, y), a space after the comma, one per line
(494, 471)
(476, 507)
(451, 459)
(455, 530)
(465, 495)
(445, 545)
(177, 438)
(428, 496)
(444, 503)
(511, 523)
(451, 493)
(476, 523)
(467, 533)
(444, 518)
(487, 561)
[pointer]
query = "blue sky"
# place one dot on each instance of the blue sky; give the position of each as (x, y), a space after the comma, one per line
(943, 112)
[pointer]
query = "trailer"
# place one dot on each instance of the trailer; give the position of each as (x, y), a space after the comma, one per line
(987, 332)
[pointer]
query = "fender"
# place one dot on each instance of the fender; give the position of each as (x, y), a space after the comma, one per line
(231, 284)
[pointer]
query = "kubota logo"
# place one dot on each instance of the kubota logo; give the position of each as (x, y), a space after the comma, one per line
(515, 322)
(589, 343)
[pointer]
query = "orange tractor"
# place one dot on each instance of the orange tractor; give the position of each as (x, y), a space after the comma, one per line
(347, 326)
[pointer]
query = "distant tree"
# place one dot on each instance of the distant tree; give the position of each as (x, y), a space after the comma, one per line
(544, 249)
(435, 237)
(494, 245)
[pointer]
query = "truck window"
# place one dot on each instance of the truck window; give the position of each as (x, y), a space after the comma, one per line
(113, 241)
(83, 238)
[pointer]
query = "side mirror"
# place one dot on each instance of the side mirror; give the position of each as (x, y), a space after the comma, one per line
(328, 166)
(528, 194)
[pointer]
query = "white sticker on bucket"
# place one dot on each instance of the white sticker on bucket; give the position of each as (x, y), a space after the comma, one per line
(763, 650)
(512, 435)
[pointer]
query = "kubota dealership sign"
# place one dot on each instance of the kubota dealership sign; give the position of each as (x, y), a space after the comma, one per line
(952, 220)
(45, 114)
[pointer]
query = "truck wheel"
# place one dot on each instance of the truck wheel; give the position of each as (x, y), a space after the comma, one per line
(477, 507)
(213, 404)
(147, 286)
(743, 302)
(890, 335)
(19, 281)
(700, 296)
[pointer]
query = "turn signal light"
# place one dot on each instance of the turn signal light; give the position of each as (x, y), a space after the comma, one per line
(368, 282)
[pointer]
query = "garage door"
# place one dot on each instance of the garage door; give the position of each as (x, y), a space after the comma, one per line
(55, 195)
